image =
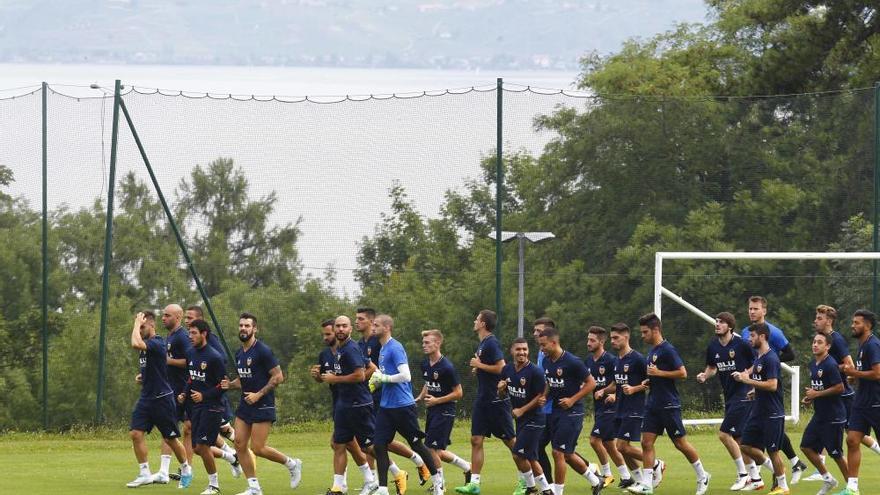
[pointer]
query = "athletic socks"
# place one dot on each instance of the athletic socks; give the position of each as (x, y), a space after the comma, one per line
(460, 463)
(624, 472)
(437, 478)
(754, 472)
(876, 447)
(827, 477)
(475, 478)
(648, 477)
(740, 466)
(591, 477)
(368, 475)
(637, 475)
(780, 480)
(254, 485)
(698, 468)
(417, 460)
(144, 469)
(541, 481)
(794, 460)
(214, 480)
(606, 469)
(164, 465)
(186, 469)
(852, 484)
(227, 448)
(393, 469)
(230, 458)
(529, 478)
(558, 489)
(768, 465)
(338, 480)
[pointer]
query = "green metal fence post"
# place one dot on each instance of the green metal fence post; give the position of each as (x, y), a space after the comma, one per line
(499, 197)
(177, 235)
(108, 252)
(44, 303)
(876, 189)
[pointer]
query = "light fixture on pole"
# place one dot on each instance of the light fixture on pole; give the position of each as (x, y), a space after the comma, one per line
(522, 237)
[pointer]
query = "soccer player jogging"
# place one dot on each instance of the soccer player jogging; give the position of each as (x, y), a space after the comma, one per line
(439, 393)
(765, 427)
(221, 450)
(156, 405)
(258, 375)
(866, 407)
(177, 344)
(825, 430)
(780, 345)
(543, 458)
(724, 355)
(490, 414)
(370, 346)
(353, 422)
(203, 395)
(628, 396)
(568, 382)
(397, 411)
(663, 407)
(601, 366)
(524, 383)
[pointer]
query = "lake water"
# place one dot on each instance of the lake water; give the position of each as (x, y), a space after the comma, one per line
(330, 165)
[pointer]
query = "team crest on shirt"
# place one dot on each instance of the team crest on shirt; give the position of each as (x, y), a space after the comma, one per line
(522, 381)
(204, 365)
(249, 361)
(558, 371)
(626, 368)
(436, 375)
(369, 351)
(654, 358)
(759, 368)
(601, 370)
(819, 373)
(731, 353)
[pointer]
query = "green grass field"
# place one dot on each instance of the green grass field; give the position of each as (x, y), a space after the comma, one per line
(102, 462)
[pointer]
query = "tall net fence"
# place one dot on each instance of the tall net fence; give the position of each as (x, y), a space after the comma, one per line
(299, 209)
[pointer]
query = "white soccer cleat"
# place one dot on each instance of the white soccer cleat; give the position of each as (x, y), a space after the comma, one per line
(754, 486)
(813, 477)
(659, 469)
(296, 473)
(251, 491)
(369, 488)
(141, 480)
(235, 467)
(797, 471)
(741, 482)
(161, 479)
(641, 488)
(211, 490)
(827, 486)
(703, 485)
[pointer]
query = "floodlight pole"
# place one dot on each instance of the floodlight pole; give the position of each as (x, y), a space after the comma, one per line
(521, 238)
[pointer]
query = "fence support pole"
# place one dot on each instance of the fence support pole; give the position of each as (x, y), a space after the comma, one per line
(44, 296)
(177, 235)
(499, 198)
(108, 254)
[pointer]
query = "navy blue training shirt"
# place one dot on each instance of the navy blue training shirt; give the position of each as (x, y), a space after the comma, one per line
(825, 375)
(326, 364)
(522, 387)
(768, 404)
(206, 370)
(868, 394)
(602, 370)
(630, 370)
(663, 393)
(440, 378)
(737, 355)
(178, 346)
(348, 359)
(564, 377)
(840, 350)
(253, 366)
(154, 369)
(488, 352)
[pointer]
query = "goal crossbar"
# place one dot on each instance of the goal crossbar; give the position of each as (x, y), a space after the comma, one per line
(660, 291)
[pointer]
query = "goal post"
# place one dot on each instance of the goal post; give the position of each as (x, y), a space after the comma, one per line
(660, 291)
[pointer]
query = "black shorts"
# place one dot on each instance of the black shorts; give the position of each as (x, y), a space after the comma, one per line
(764, 433)
(658, 420)
(604, 427)
(251, 414)
(736, 414)
(822, 435)
(492, 419)
(863, 419)
(206, 422)
(565, 429)
(628, 429)
(403, 420)
(350, 423)
(160, 412)
(438, 429)
(528, 437)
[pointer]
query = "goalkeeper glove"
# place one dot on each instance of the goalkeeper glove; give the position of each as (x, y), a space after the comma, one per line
(376, 380)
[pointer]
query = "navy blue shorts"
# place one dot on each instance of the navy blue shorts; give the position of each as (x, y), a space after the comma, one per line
(161, 413)
(492, 419)
(604, 427)
(821, 435)
(764, 433)
(228, 412)
(863, 419)
(350, 423)
(528, 437)
(251, 414)
(438, 429)
(848, 406)
(206, 422)
(565, 429)
(629, 429)
(659, 420)
(403, 420)
(736, 415)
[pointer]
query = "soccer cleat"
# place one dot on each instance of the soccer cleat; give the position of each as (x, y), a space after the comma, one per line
(755, 485)
(703, 485)
(369, 488)
(797, 471)
(827, 486)
(470, 488)
(641, 488)
(160, 479)
(626, 483)
(598, 488)
(211, 490)
(175, 476)
(847, 491)
(816, 476)
(607, 481)
(185, 481)
(438, 490)
(520, 488)
(336, 491)
(235, 466)
(141, 480)
(424, 474)
(741, 482)
(251, 491)
(548, 491)
(659, 469)
(400, 482)
(296, 473)
(778, 491)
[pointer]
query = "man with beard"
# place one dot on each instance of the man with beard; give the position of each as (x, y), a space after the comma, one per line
(258, 375)
(726, 354)
(628, 396)
(601, 366)
(156, 405)
(866, 408)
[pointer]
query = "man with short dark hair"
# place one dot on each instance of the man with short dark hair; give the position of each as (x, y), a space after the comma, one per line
(663, 408)
(203, 395)
(766, 425)
(491, 415)
(601, 366)
(258, 375)
(156, 405)
(543, 459)
(866, 408)
(628, 396)
(726, 354)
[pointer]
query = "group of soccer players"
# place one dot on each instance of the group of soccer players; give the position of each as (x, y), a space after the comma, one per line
(183, 379)
(527, 405)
